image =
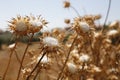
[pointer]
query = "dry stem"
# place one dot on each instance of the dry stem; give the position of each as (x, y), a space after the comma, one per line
(36, 65)
(4, 75)
(24, 57)
(60, 74)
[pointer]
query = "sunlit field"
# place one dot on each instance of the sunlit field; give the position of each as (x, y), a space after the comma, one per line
(83, 50)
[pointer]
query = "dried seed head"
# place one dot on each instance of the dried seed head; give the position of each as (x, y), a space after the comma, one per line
(67, 21)
(71, 67)
(66, 4)
(84, 58)
(25, 25)
(114, 25)
(112, 33)
(50, 41)
(56, 31)
(19, 25)
(84, 26)
(35, 23)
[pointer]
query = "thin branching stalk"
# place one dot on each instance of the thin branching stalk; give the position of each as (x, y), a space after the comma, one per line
(10, 57)
(108, 11)
(18, 58)
(107, 14)
(24, 57)
(37, 74)
(75, 11)
(60, 74)
(36, 65)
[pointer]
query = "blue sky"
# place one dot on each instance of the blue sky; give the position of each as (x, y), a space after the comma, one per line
(53, 11)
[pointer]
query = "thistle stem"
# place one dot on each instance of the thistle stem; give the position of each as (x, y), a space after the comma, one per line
(36, 74)
(18, 58)
(75, 10)
(60, 74)
(24, 57)
(4, 75)
(107, 14)
(36, 65)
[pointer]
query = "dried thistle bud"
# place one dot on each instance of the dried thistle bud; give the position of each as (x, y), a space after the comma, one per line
(66, 4)
(55, 31)
(67, 21)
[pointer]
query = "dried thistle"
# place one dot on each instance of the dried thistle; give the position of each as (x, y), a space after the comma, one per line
(19, 25)
(67, 21)
(66, 4)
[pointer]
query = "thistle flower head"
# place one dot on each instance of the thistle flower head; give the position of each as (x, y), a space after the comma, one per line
(71, 67)
(112, 32)
(84, 26)
(84, 58)
(114, 24)
(67, 21)
(50, 41)
(66, 4)
(36, 23)
(23, 25)
(19, 25)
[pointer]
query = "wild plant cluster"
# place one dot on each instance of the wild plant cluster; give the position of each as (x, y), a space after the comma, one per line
(81, 52)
